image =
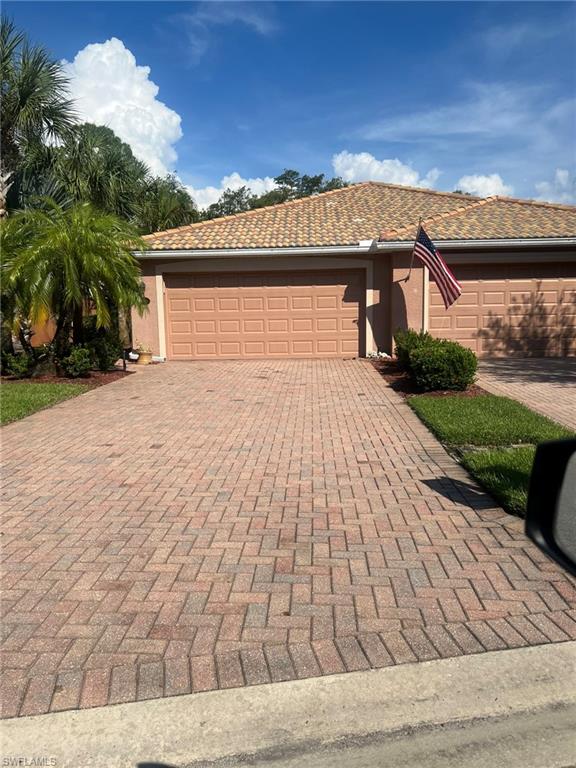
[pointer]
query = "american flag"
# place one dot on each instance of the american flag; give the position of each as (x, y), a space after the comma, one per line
(427, 252)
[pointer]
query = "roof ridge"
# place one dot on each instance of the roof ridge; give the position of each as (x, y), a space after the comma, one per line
(440, 216)
(253, 211)
(425, 190)
(542, 203)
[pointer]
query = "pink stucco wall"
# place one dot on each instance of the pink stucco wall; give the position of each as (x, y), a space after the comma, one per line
(406, 296)
(145, 328)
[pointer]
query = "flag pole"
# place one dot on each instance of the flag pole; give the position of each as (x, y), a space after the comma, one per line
(412, 259)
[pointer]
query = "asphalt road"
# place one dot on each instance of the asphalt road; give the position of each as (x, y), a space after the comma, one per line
(545, 739)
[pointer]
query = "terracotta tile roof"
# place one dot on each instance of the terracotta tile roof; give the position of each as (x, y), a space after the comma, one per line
(496, 218)
(362, 212)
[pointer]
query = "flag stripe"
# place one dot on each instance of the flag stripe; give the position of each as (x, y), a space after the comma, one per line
(440, 265)
(438, 275)
(441, 278)
(449, 287)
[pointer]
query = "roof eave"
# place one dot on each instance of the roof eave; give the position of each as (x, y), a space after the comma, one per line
(363, 247)
(524, 242)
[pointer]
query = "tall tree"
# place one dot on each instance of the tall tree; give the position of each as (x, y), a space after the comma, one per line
(164, 203)
(290, 185)
(231, 201)
(95, 166)
(35, 103)
(58, 262)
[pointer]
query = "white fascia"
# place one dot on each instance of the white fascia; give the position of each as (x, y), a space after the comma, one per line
(408, 245)
(364, 246)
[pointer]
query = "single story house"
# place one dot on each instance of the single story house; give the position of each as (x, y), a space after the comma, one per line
(326, 276)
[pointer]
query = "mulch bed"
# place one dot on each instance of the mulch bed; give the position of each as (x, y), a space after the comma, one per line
(401, 382)
(95, 379)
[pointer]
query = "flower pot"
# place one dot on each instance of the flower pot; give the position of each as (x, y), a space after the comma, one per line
(144, 358)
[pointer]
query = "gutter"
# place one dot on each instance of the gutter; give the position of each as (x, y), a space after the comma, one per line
(363, 247)
(407, 245)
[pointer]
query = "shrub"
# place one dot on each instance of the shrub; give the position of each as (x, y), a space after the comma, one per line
(406, 341)
(105, 352)
(78, 363)
(20, 366)
(103, 343)
(442, 364)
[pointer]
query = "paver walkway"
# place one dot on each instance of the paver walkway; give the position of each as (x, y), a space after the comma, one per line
(547, 385)
(210, 525)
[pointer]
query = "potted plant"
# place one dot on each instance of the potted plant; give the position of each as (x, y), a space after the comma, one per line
(144, 354)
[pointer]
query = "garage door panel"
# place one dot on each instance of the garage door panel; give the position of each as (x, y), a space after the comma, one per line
(302, 314)
(277, 303)
(510, 309)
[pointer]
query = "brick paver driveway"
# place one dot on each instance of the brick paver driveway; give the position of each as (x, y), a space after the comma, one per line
(210, 525)
(547, 385)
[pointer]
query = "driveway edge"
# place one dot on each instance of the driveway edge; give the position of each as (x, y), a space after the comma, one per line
(296, 714)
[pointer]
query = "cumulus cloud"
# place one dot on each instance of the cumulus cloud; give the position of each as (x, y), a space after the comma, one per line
(484, 186)
(562, 188)
(205, 196)
(362, 166)
(110, 89)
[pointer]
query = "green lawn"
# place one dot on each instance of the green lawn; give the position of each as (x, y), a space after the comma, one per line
(486, 420)
(20, 399)
(505, 473)
(495, 437)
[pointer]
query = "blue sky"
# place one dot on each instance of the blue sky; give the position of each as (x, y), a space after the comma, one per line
(480, 96)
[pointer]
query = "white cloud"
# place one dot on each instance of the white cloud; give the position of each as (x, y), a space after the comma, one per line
(562, 188)
(493, 109)
(205, 196)
(362, 166)
(259, 17)
(503, 39)
(110, 89)
(484, 186)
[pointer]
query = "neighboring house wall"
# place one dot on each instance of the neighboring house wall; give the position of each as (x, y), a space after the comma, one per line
(43, 332)
(513, 303)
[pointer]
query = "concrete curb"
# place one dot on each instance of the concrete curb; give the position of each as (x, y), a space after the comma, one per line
(220, 724)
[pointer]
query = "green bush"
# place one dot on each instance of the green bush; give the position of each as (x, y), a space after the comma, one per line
(103, 343)
(442, 364)
(78, 363)
(20, 366)
(406, 341)
(105, 352)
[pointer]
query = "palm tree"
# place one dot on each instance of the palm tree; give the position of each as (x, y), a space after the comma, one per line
(95, 166)
(164, 203)
(35, 104)
(61, 262)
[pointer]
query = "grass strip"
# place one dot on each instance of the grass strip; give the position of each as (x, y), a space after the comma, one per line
(484, 420)
(20, 399)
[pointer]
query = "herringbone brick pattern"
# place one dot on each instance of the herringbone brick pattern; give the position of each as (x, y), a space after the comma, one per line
(204, 525)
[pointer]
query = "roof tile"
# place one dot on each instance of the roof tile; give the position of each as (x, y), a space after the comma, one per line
(365, 211)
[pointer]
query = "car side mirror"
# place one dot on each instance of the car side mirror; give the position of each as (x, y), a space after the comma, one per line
(551, 510)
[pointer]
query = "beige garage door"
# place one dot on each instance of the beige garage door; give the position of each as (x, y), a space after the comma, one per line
(273, 314)
(521, 309)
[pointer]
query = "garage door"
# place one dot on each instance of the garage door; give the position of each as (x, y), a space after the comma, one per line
(522, 309)
(255, 315)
